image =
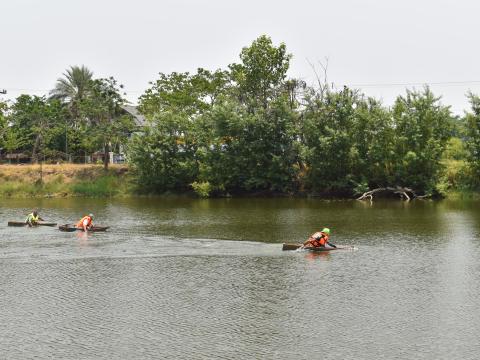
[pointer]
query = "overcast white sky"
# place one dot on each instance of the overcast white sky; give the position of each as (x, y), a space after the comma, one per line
(371, 44)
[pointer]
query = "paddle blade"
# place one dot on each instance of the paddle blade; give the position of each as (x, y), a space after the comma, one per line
(67, 227)
(16, 223)
(291, 246)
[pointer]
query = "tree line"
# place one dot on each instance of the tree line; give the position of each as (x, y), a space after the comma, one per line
(81, 115)
(249, 129)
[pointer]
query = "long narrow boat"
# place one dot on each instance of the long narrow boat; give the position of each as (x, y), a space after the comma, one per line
(287, 246)
(72, 228)
(23, 223)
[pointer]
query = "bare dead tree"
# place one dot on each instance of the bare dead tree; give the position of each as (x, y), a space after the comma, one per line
(322, 80)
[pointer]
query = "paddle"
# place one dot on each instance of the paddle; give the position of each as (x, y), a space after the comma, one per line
(287, 246)
(67, 228)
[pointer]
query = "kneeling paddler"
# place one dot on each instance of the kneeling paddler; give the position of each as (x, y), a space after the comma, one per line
(85, 223)
(319, 239)
(33, 218)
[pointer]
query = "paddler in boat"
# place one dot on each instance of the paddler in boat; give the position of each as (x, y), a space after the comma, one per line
(319, 239)
(33, 218)
(85, 223)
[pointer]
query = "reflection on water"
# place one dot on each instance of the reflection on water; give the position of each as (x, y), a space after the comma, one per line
(193, 279)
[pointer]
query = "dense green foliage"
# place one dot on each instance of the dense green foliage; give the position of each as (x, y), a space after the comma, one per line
(422, 128)
(35, 123)
(106, 122)
(267, 133)
(165, 153)
(251, 129)
(472, 125)
(83, 116)
(241, 151)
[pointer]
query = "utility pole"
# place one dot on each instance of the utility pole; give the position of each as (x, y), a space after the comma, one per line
(66, 141)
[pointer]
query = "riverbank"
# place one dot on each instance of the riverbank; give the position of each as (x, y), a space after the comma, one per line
(89, 180)
(64, 180)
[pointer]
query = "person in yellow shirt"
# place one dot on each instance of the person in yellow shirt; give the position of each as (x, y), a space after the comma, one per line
(33, 219)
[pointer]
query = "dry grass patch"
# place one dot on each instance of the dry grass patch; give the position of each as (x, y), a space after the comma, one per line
(52, 171)
(62, 180)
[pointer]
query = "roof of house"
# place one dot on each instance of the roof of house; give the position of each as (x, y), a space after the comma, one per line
(132, 110)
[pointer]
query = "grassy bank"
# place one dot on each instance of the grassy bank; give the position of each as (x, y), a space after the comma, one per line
(64, 180)
(70, 180)
(457, 181)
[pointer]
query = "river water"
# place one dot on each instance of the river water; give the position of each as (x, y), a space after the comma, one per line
(206, 279)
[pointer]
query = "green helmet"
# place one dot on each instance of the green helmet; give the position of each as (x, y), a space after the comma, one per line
(326, 231)
(91, 215)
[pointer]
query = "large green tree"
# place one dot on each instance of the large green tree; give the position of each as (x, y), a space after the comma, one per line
(34, 122)
(329, 151)
(472, 127)
(373, 134)
(107, 125)
(183, 92)
(261, 73)
(423, 126)
(164, 153)
(250, 152)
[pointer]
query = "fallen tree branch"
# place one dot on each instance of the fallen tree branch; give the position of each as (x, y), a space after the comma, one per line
(404, 192)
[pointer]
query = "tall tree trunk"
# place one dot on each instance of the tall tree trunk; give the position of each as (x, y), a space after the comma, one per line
(35, 148)
(106, 158)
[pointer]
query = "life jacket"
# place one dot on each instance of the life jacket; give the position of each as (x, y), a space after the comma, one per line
(80, 223)
(32, 218)
(319, 239)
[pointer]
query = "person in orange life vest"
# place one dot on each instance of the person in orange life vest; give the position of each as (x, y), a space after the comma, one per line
(86, 223)
(319, 239)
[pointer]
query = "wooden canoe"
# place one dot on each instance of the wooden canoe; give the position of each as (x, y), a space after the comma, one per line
(72, 228)
(287, 246)
(23, 223)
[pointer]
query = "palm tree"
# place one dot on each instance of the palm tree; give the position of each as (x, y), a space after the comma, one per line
(74, 84)
(72, 88)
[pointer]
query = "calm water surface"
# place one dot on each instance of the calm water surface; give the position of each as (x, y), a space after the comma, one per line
(206, 279)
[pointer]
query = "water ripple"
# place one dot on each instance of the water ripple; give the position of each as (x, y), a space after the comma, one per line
(154, 292)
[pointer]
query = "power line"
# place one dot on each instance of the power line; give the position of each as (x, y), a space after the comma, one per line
(392, 84)
(48, 90)
(447, 83)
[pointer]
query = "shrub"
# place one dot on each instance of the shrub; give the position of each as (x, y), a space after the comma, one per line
(104, 186)
(202, 189)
